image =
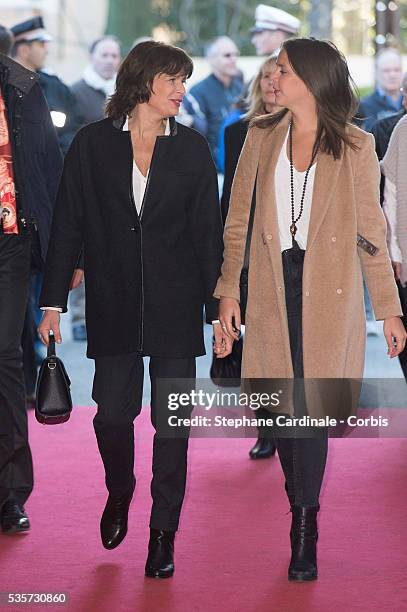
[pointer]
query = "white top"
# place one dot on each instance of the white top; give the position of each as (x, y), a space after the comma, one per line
(390, 212)
(139, 180)
(282, 182)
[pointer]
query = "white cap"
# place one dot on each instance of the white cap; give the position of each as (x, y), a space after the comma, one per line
(270, 18)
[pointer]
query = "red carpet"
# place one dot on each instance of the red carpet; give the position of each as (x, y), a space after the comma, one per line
(232, 549)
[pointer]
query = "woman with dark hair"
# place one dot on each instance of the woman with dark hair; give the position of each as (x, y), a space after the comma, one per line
(261, 100)
(317, 225)
(140, 192)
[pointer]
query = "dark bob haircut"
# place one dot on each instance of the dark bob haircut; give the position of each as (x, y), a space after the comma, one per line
(323, 69)
(136, 74)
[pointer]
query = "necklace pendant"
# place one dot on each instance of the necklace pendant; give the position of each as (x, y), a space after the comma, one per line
(293, 229)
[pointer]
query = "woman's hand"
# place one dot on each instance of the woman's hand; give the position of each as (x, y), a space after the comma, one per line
(229, 310)
(395, 335)
(50, 322)
(222, 344)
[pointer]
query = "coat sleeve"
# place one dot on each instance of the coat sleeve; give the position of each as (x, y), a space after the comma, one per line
(235, 232)
(206, 230)
(371, 224)
(66, 233)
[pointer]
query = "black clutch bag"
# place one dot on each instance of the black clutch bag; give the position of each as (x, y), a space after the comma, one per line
(53, 402)
(226, 372)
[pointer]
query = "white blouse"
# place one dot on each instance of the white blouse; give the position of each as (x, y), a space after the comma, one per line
(139, 180)
(282, 182)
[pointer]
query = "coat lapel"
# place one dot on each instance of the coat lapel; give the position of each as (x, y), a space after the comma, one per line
(266, 197)
(326, 177)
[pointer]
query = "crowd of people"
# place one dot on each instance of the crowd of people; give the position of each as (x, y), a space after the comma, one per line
(284, 143)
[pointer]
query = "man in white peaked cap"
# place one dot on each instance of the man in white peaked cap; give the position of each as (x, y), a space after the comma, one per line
(272, 27)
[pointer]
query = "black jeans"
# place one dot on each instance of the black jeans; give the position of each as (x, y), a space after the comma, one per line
(16, 471)
(403, 300)
(303, 459)
(118, 391)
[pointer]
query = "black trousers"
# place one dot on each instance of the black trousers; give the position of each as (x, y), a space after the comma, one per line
(16, 470)
(403, 300)
(303, 459)
(118, 391)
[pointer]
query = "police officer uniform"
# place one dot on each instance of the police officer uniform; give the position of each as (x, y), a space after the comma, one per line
(60, 99)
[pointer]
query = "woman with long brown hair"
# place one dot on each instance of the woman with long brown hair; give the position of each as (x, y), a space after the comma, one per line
(317, 226)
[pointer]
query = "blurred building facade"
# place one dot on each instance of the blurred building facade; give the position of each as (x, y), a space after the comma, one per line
(74, 24)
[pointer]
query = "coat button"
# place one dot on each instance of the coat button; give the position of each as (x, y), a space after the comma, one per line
(134, 228)
(269, 237)
(307, 293)
(333, 238)
(339, 291)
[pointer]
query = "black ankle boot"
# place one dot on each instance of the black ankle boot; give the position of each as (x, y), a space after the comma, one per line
(113, 524)
(160, 560)
(263, 449)
(13, 518)
(304, 536)
(291, 499)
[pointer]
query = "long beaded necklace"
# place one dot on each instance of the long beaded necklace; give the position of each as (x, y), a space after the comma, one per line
(294, 221)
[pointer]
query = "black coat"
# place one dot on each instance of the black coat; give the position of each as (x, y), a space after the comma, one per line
(60, 98)
(37, 161)
(235, 135)
(91, 102)
(147, 277)
(373, 108)
(383, 129)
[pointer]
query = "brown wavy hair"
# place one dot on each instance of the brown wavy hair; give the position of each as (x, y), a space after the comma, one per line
(136, 74)
(323, 69)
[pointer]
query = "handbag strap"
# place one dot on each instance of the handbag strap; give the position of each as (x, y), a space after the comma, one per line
(245, 266)
(51, 346)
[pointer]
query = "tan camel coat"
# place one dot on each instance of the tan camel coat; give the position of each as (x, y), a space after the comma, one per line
(345, 202)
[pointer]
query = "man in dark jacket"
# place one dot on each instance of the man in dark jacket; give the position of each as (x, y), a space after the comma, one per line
(386, 100)
(383, 128)
(30, 50)
(99, 79)
(30, 167)
(217, 94)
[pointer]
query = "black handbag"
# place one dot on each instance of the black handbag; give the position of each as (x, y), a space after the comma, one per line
(226, 371)
(53, 402)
